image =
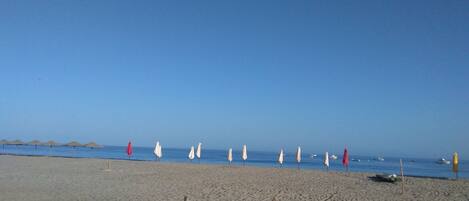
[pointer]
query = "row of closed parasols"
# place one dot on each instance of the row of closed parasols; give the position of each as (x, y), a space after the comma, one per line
(244, 154)
(49, 143)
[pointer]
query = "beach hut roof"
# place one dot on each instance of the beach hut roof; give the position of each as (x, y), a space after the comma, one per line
(73, 144)
(35, 142)
(3, 141)
(16, 142)
(92, 145)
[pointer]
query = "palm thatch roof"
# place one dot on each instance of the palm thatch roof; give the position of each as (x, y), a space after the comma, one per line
(16, 142)
(34, 142)
(51, 143)
(93, 145)
(73, 144)
(3, 141)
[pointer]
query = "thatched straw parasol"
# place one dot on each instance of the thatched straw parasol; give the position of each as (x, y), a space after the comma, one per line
(73, 144)
(93, 145)
(50, 143)
(35, 143)
(16, 142)
(3, 143)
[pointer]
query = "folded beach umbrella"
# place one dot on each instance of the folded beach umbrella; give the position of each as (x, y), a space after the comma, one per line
(191, 154)
(280, 158)
(298, 156)
(199, 151)
(230, 155)
(455, 164)
(129, 149)
(326, 160)
(244, 154)
(157, 151)
(345, 159)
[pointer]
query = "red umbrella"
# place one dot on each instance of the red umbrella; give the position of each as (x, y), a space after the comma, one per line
(345, 159)
(129, 149)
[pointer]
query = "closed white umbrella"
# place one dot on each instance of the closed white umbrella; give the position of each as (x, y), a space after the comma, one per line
(280, 157)
(326, 160)
(230, 155)
(298, 156)
(191, 154)
(244, 154)
(199, 151)
(157, 151)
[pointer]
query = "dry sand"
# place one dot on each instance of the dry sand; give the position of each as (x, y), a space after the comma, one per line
(48, 178)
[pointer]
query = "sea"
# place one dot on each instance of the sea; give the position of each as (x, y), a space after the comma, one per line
(418, 167)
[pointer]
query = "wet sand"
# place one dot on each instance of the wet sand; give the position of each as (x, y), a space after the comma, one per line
(50, 178)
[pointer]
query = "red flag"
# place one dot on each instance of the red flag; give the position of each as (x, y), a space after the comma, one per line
(129, 149)
(345, 159)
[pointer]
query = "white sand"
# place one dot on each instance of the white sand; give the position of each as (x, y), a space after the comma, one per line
(46, 178)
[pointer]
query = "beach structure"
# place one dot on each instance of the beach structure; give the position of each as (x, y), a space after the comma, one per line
(3, 143)
(16, 142)
(298, 156)
(326, 161)
(50, 143)
(244, 154)
(199, 151)
(280, 158)
(157, 151)
(455, 164)
(73, 144)
(92, 145)
(129, 149)
(345, 159)
(230, 155)
(35, 143)
(191, 154)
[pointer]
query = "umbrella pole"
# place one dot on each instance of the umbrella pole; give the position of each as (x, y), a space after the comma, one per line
(244, 162)
(402, 177)
(298, 166)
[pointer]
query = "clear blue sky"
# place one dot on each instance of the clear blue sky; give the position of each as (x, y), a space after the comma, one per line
(382, 77)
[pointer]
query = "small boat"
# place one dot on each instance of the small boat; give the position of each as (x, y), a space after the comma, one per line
(443, 161)
(386, 178)
(379, 158)
(356, 160)
(333, 157)
(314, 156)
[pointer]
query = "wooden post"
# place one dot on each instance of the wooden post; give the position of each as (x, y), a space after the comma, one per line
(402, 177)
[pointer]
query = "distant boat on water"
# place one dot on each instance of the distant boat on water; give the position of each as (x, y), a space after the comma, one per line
(356, 160)
(313, 156)
(443, 161)
(379, 158)
(333, 157)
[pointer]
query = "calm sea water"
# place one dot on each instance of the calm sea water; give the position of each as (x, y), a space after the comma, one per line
(412, 166)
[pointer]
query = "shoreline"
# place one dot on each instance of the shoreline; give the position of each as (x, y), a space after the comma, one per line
(56, 178)
(215, 164)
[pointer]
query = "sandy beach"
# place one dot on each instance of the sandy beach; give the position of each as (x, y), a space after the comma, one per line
(49, 178)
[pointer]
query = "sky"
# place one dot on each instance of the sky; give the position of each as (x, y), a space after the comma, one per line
(379, 77)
